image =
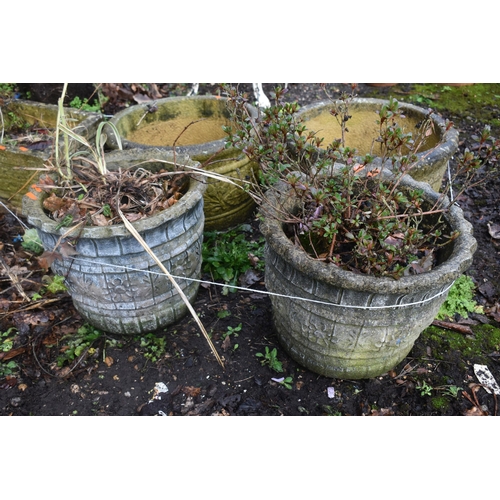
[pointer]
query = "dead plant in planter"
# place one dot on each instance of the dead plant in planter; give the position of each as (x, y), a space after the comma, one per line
(119, 226)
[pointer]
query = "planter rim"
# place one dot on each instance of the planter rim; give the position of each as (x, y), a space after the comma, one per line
(191, 149)
(32, 208)
(445, 273)
(449, 138)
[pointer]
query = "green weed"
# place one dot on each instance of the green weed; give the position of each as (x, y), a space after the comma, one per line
(53, 284)
(32, 242)
(228, 255)
(78, 344)
(424, 388)
(84, 105)
(232, 331)
(460, 300)
(7, 368)
(285, 382)
(270, 358)
(154, 347)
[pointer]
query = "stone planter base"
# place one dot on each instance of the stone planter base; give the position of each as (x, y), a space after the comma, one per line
(355, 326)
(115, 285)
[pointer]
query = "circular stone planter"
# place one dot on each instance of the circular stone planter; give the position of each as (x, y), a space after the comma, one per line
(203, 141)
(433, 156)
(368, 325)
(111, 278)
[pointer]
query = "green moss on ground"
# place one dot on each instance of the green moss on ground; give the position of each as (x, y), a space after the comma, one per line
(485, 339)
(440, 403)
(480, 100)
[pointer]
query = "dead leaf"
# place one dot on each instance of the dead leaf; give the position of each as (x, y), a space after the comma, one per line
(494, 230)
(226, 344)
(100, 220)
(53, 203)
(474, 412)
(47, 258)
(192, 391)
(108, 361)
(67, 250)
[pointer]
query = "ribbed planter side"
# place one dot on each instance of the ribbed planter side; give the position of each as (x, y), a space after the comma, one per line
(225, 205)
(112, 280)
(434, 156)
(371, 325)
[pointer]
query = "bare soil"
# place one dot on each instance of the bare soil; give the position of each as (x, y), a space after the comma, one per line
(123, 376)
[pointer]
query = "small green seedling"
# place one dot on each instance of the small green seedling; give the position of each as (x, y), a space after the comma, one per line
(452, 391)
(270, 358)
(232, 331)
(424, 388)
(284, 381)
(224, 313)
(7, 368)
(154, 347)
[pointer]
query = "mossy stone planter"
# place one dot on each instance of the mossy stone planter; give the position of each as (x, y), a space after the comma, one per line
(111, 279)
(363, 129)
(372, 323)
(21, 167)
(203, 141)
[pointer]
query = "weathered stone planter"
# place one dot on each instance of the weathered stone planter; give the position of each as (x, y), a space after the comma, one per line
(368, 324)
(109, 279)
(363, 129)
(203, 141)
(21, 167)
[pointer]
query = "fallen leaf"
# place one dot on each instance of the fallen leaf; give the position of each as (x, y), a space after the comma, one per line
(494, 230)
(108, 361)
(67, 250)
(192, 391)
(47, 258)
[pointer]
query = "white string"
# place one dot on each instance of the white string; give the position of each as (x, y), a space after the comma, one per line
(449, 182)
(265, 292)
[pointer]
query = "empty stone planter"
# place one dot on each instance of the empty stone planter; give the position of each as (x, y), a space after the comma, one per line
(355, 326)
(109, 279)
(363, 129)
(21, 166)
(163, 122)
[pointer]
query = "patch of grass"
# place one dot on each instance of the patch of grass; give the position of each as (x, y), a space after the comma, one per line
(227, 255)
